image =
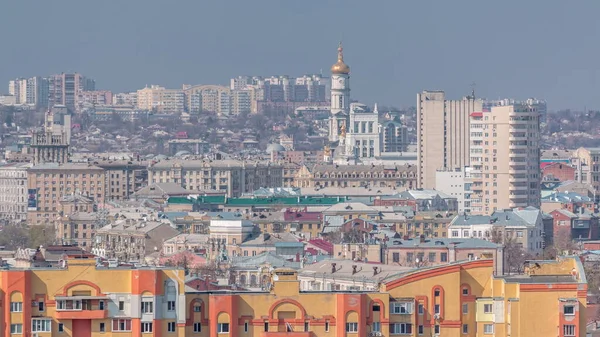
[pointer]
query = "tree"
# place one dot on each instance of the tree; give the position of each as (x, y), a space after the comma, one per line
(22, 236)
(514, 256)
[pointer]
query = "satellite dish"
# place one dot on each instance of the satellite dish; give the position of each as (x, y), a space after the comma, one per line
(276, 278)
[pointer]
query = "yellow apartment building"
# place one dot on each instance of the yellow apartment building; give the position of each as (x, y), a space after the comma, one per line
(463, 299)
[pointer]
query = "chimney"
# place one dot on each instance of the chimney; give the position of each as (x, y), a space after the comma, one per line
(353, 269)
(333, 268)
(375, 270)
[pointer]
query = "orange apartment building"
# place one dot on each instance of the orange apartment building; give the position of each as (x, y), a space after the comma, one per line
(462, 299)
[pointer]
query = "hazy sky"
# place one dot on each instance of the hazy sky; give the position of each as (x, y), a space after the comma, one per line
(510, 48)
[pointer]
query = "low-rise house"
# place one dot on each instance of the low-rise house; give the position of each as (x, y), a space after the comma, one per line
(420, 200)
(580, 225)
(525, 226)
(129, 240)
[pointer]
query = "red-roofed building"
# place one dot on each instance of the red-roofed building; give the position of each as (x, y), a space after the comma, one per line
(557, 171)
(319, 246)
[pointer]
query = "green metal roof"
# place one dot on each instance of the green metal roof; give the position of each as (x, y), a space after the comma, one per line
(285, 201)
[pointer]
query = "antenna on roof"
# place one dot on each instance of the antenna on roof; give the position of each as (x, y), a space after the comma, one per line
(473, 90)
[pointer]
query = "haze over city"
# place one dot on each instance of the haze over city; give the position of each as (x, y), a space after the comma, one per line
(299, 168)
(508, 48)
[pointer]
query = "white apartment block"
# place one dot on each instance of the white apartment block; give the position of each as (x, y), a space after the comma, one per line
(13, 191)
(160, 100)
(442, 134)
(29, 91)
(505, 158)
(456, 183)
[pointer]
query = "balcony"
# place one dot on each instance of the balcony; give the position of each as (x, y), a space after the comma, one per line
(81, 307)
(286, 334)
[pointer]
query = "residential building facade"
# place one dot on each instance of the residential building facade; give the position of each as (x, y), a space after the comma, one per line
(443, 134)
(231, 176)
(49, 182)
(512, 132)
(65, 89)
(14, 196)
(160, 100)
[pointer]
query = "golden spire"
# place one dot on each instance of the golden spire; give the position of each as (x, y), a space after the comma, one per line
(340, 67)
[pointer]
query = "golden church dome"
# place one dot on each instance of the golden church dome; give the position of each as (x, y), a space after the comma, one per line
(340, 67)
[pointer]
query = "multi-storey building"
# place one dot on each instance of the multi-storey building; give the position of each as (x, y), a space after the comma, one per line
(29, 91)
(47, 183)
(373, 176)
(505, 158)
(125, 98)
(160, 100)
(442, 134)
(14, 197)
(231, 176)
(51, 145)
(80, 298)
(217, 99)
(470, 298)
(587, 164)
(456, 183)
(98, 97)
(65, 89)
(394, 136)
(525, 226)
(123, 177)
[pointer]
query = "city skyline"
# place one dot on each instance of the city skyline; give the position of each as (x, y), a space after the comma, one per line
(388, 51)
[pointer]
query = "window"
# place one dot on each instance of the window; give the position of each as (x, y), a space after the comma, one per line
(569, 310)
(454, 234)
(101, 305)
(401, 308)
(102, 327)
(171, 305)
(421, 309)
(245, 326)
(436, 293)
(444, 257)
(61, 327)
(465, 308)
(326, 326)
(121, 325)
(223, 328)
(352, 327)
(376, 307)
(465, 291)
(487, 308)
(16, 329)
(400, 329)
(465, 328)
(197, 308)
(121, 305)
(376, 327)
(266, 326)
(147, 307)
(420, 329)
(306, 326)
(41, 306)
(171, 327)
(432, 257)
(569, 330)
(436, 329)
(41, 325)
(488, 329)
(146, 327)
(198, 327)
(436, 309)
(16, 306)
(396, 257)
